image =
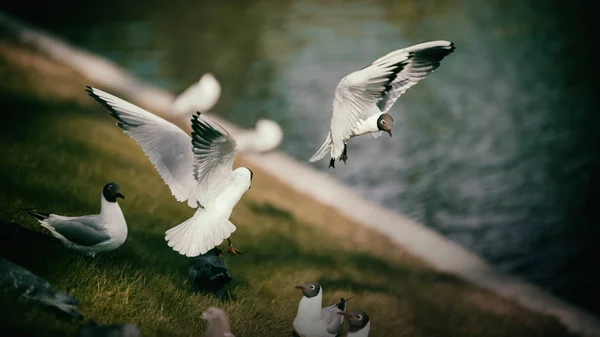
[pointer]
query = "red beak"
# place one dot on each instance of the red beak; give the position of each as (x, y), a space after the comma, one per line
(344, 314)
(299, 287)
(390, 132)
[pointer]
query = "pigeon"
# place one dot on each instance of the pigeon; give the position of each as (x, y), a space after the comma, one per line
(218, 324)
(201, 96)
(198, 169)
(363, 98)
(359, 323)
(314, 321)
(92, 329)
(265, 137)
(90, 234)
(208, 272)
(18, 280)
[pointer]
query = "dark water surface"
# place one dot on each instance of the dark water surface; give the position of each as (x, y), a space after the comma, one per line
(497, 150)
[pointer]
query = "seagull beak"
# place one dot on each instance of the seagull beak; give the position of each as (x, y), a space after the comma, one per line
(389, 131)
(341, 313)
(300, 287)
(119, 195)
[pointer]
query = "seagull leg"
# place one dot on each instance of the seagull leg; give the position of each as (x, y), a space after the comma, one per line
(344, 156)
(232, 249)
(332, 163)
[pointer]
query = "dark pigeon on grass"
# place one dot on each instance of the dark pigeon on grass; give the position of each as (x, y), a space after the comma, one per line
(208, 273)
(24, 284)
(93, 329)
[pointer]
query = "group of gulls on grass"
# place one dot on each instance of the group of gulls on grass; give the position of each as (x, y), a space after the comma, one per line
(199, 170)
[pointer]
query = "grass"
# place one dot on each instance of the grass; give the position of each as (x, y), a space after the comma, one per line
(58, 148)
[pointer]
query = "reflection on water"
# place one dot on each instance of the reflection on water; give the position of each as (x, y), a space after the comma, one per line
(497, 149)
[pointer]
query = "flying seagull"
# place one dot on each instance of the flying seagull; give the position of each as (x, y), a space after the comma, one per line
(359, 323)
(92, 329)
(314, 321)
(198, 169)
(90, 234)
(218, 323)
(28, 286)
(363, 98)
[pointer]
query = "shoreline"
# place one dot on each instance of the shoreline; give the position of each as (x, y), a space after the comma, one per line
(426, 244)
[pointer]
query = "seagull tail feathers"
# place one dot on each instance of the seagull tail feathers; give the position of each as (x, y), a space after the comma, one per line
(65, 303)
(36, 214)
(199, 234)
(322, 152)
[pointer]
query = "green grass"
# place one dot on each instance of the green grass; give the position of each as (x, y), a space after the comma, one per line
(57, 154)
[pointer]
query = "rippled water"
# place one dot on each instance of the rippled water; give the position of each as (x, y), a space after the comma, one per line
(497, 149)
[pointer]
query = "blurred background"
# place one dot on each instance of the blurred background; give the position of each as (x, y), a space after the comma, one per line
(497, 149)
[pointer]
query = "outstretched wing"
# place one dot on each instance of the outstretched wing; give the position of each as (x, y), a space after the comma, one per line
(422, 59)
(167, 146)
(358, 95)
(214, 152)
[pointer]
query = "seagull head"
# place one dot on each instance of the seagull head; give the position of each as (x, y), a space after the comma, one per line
(310, 289)
(357, 319)
(111, 192)
(384, 123)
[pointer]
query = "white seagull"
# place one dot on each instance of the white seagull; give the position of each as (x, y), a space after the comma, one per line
(198, 169)
(265, 137)
(314, 321)
(90, 234)
(359, 323)
(200, 96)
(363, 98)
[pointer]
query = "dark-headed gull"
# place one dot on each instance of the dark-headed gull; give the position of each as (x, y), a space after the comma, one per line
(218, 323)
(363, 98)
(90, 234)
(359, 323)
(198, 169)
(314, 321)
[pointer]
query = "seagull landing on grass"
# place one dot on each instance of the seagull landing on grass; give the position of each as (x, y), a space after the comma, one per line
(90, 234)
(198, 169)
(314, 321)
(363, 98)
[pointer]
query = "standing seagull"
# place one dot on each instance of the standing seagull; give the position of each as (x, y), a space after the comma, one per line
(197, 169)
(90, 234)
(359, 323)
(363, 98)
(218, 324)
(314, 321)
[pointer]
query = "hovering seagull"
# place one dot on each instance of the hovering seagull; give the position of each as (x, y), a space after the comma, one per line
(218, 324)
(18, 280)
(363, 98)
(359, 323)
(197, 169)
(314, 321)
(265, 137)
(201, 96)
(90, 234)
(208, 272)
(92, 329)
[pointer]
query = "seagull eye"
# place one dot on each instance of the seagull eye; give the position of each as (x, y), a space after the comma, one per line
(383, 121)
(312, 287)
(109, 187)
(359, 317)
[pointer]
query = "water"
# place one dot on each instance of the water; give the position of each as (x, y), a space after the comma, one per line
(497, 149)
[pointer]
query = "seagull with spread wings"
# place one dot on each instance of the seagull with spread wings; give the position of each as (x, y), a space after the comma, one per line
(363, 98)
(198, 169)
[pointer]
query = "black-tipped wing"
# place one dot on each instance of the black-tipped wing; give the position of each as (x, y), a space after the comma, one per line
(84, 231)
(167, 146)
(214, 152)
